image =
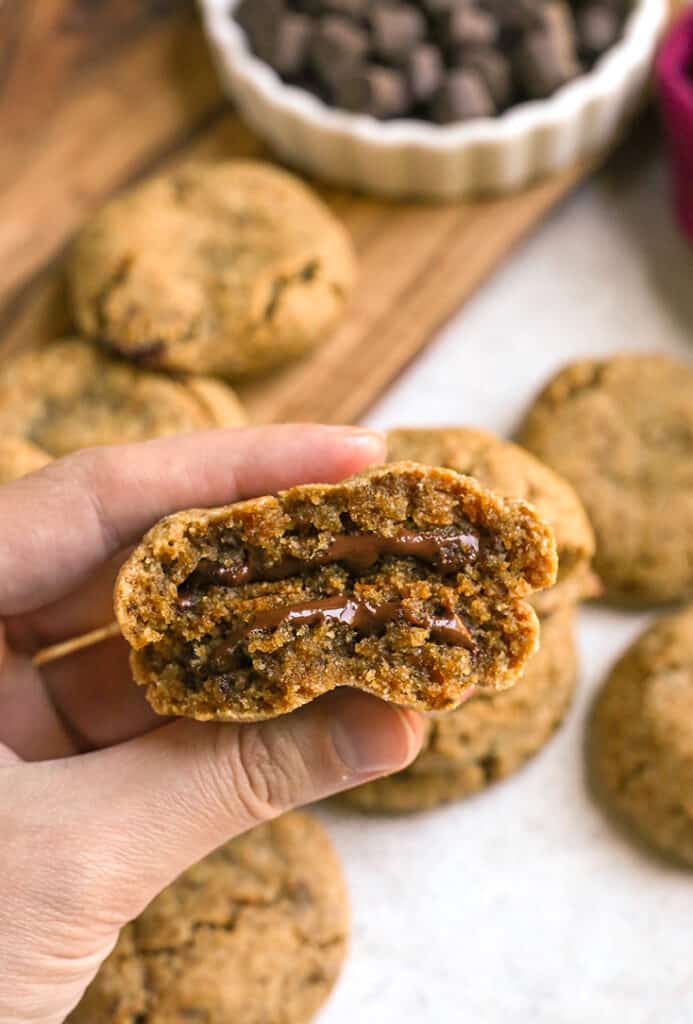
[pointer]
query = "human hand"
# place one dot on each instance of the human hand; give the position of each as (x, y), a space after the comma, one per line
(102, 803)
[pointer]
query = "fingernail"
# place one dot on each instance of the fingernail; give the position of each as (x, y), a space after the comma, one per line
(359, 435)
(372, 737)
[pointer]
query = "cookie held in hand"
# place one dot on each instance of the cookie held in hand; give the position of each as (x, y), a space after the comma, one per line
(405, 581)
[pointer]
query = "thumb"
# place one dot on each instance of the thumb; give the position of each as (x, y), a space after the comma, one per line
(160, 802)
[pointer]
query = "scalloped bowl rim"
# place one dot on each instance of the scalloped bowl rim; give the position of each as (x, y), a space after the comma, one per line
(642, 26)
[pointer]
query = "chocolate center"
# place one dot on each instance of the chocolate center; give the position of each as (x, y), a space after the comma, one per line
(448, 552)
(365, 617)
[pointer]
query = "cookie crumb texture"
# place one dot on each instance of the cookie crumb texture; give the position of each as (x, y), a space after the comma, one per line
(641, 737)
(70, 395)
(510, 471)
(227, 268)
(254, 934)
(489, 737)
(621, 431)
(405, 581)
(17, 458)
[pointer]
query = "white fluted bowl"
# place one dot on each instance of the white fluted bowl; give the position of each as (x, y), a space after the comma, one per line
(414, 158)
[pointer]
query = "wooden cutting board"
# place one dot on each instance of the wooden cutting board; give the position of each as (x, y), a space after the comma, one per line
(95, 96)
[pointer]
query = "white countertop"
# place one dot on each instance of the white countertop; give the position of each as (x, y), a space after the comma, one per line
(524, 904)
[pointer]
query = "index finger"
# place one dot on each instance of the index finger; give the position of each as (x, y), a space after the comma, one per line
(60, 524)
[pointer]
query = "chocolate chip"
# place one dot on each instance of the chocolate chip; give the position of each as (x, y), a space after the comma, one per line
(404, 58)
(379, 91)
(337, 46)
(465, 25)
(495, 70)
(598, 28)
(260, 20)
(546, 60)
(425, 71)
(396, 30)
(516, 15)
(353, 8)
(463, 95)
(292, 44)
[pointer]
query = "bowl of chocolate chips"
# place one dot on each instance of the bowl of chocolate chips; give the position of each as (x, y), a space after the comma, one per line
(434, 99)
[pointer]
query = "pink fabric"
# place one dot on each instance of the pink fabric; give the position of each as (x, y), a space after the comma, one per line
(674, 70)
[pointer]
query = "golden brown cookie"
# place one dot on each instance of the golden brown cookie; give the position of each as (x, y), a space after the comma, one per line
(254, 934)
(512, 472)
(17, 458)
(71, 395)
(406, 581)
(227, 268)
(641, 736)
(489, 737)
(621, 431)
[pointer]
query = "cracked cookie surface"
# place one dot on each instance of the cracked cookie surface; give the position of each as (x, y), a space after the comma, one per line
(70, 395)
(254, 934)
(512, 472)
(641, 736)
(406, 581)
(17, 458)
(489, 737)
(227, 268)
(621, 431)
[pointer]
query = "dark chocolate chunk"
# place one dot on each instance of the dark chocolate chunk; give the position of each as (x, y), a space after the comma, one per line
(466, 25)
(337, 46)
(495, 70)
(463, 95)
(260, 20)
(357, 9)
(598, 28)
(379, 91)
(396, 29)
(546, 59)
(292, 44)
(425, 71)
(399, 58)
(514, 16)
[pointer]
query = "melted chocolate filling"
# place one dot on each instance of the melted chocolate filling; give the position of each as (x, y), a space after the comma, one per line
(447, 552)
(365, 617)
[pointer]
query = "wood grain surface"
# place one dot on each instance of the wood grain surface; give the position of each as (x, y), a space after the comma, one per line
(97, 94)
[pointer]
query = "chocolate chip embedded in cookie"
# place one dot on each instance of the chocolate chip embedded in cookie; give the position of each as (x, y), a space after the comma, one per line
(17, 458)
(621, 431)
(510, 471)
(489, 737)
(71, 395)
(254, 934)
(641, 736)
(227, 268)
(406, 581)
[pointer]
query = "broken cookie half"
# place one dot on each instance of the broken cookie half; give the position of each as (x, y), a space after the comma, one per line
(405, 581)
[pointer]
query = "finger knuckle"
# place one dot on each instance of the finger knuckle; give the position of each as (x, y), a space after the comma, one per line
(261, 772)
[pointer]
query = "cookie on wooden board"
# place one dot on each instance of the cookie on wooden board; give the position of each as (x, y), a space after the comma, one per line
(227, 268)
(18, 457)
(70, 394)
